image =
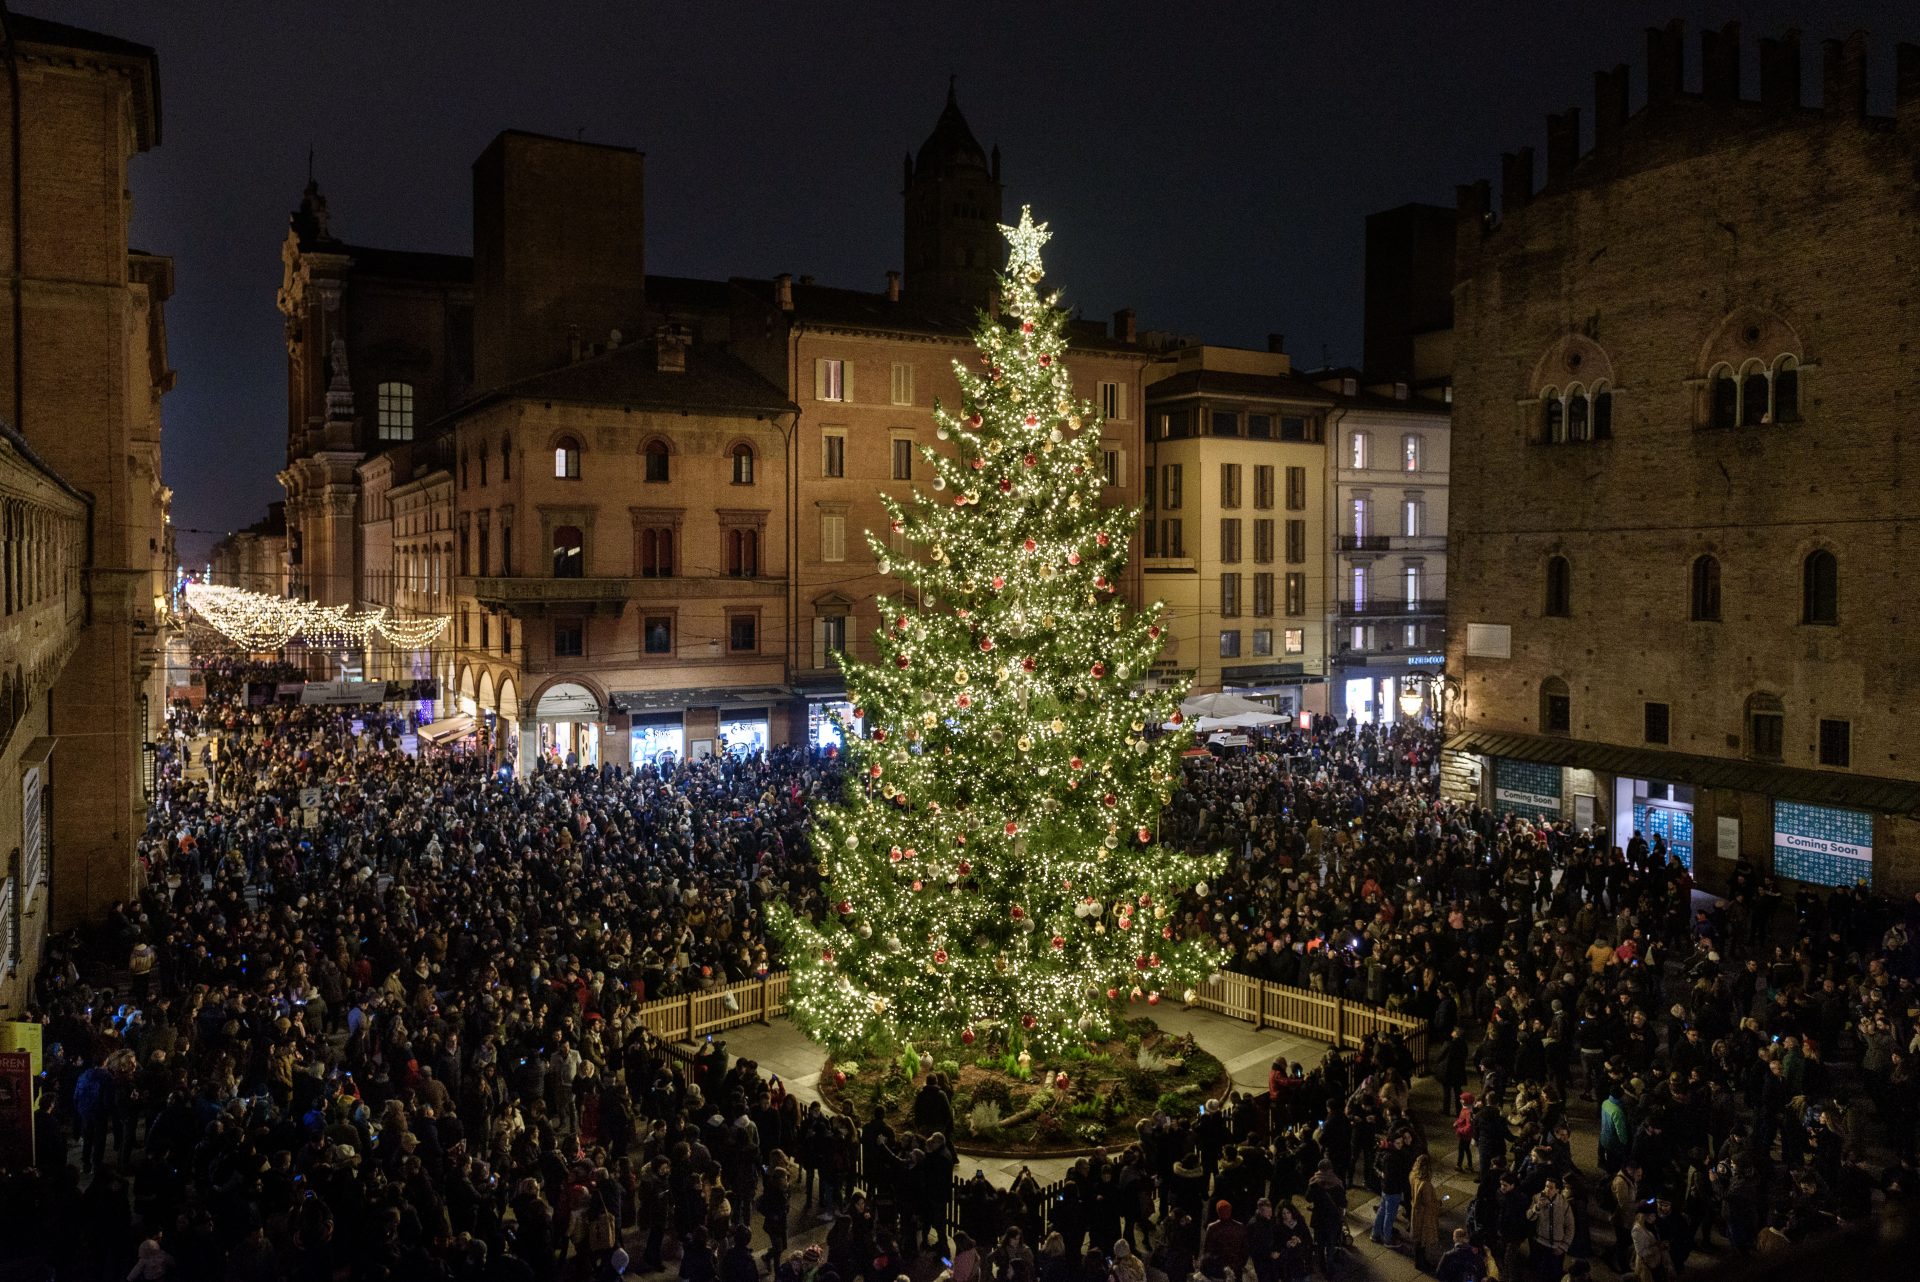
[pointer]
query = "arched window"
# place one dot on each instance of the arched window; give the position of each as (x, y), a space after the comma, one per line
(656, 552)
(1553, 417)
(1602, 413)
(743, 464)
(1559, 602)
(569, 553)
(1766, 726)
(1706, 590)
(1556, 707)
(1754, 390)
(1579, 425)
(566, 459)
(656, 456)
(1725, 411)
(1820, 588)
(743, 553)
(393, 405)
(506, 459)
(1786, 390)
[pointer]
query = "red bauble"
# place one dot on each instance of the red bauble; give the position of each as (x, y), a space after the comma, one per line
(900, 661)
(1006, 485)
(966, 1037)
(1099, 580)
(1073, 558)
(1110, 800)
(1099, 669)
(1060, 1080)
(896, 855)
(858, 713)
(1026, 327)
(900, 623)
(986, 644)
(1012, 827)
(1033, 420)
(911, 852)
(1113, 994)
(1017, 912)
(959, 500)
(1146, 901)
(1153, 631)
(1145, 836)
(963, 701)
(874, 770)
(1027, 1022)
(939, 956)
(1166, 932)
(1074, 763)
(1153, 999)
(977, 464)
(1030, 461)
(1177, 717)
(1058, 942)
(826, 954)
(1102, 539)
(1154, 961)
(1140, 963)
(973, 420)
(965, 868)
(1045, 360)
(879, 734)
(1029, 545)
(1027, 664)
(918, 885)
(839, 1077)
(999, 581)
(1124, 923)
(894, 526)
(846, 907)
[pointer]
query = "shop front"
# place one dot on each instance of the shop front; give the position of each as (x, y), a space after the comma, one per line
(657, 738)
(743, 732)
(566, 728)
(1656, 809)
(827, 724)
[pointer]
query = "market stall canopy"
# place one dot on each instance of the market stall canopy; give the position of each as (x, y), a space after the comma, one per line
(1221, 705)
(447, 729)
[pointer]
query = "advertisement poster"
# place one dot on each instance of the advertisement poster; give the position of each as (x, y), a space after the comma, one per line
(16, 1110)
(1822, 844)
(1526, 788)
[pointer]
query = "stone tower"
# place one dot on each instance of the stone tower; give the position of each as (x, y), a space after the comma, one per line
(953, 213)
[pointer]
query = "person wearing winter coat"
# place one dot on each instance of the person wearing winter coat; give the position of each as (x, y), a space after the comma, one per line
(1552, 1214)
(1423, 1205)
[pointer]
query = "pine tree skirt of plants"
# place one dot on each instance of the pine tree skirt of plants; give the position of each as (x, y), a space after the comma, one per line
(1009, 1099)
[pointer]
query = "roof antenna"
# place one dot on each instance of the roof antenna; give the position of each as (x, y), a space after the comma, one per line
(309, 162)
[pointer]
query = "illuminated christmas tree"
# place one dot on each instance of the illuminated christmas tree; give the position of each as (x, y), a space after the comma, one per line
(995, 864)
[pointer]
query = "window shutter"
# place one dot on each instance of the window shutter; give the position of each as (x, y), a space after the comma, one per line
(819, 643)
(1120, 400)
(846, 381)
(819, 379)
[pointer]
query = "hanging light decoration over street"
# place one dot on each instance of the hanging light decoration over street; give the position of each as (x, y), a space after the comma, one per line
(262, 622)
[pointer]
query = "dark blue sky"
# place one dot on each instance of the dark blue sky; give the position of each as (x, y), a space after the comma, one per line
(1209, 165)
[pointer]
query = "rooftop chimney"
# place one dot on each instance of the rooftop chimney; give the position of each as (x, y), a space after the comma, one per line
(1563, 145)
(1780, 69)
(1124, 327)
(893, 287)
(1844, 92)
(1720, 62)
(1906, 84)
(783, 291)
(1609, 106)
(1516, 179)
(1277, 343)
(1666, 61)
(670, 343)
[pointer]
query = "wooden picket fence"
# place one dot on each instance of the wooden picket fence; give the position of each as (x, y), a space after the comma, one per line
(1299, 1011)
(1306, 1013)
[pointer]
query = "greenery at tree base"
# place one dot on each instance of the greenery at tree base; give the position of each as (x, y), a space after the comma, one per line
(994, 870)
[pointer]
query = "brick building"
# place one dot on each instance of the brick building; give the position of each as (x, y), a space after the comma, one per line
(1682, 531)
(83, 367)
(254, 558)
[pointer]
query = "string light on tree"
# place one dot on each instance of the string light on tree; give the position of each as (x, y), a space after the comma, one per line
(1007, 746)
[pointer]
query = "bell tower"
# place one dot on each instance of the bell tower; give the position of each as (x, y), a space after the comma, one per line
(952, 195)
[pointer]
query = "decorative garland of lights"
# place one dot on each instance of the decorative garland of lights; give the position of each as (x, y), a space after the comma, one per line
(261, 622)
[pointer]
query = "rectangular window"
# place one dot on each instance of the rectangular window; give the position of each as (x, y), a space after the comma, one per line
(1260, 427)
(1229, 485)
(1113, 400)
(1229, 596)
(1263, 540)
(1170, 487)
(743, 630)
(464, 637)
(464, 544)
(1294, 640)
(1230, 643)
(395, 408)
(1362, 517)
(1114, 463)
(1415, 577)
(1410, 452)
(833, 536)
(1226, 423)
(569, 638)
(1558, 714)
(486, 630)
(833, 453)
(1766, 734)
(1836, 742)
(1152, 493)
(1263, 486)
(486, 550)
(1173, 425)
(1171, 543)
(902, 390)
(1263, 594)
(1362, 585)
(656, 634)
(1296, 594)
(1230, 539)
(656, 552)
(1301, 430)
(1658, 722)
(1296, 489)
(829, 639)
(829, 380)
(1413, 518)
(902, 458)
(1262, 642)
(1360, 451)
(1296, 541)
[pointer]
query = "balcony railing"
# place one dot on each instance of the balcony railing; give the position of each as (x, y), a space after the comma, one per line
(1389, 608)
(1391, 542)
(537, 596)
(1365, 542)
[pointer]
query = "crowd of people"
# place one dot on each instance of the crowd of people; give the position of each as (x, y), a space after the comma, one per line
(394, 1034)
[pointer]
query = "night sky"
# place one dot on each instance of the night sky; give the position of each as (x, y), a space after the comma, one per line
(1212, 174)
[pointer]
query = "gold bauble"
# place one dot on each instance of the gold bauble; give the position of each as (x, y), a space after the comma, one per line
(1026, 744)
(959, 676)
(1073, 421)
(1058, 726)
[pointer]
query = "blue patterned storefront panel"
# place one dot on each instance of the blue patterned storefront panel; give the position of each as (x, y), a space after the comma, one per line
(1822, 844)
(1526, 788)
(1663, 821)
